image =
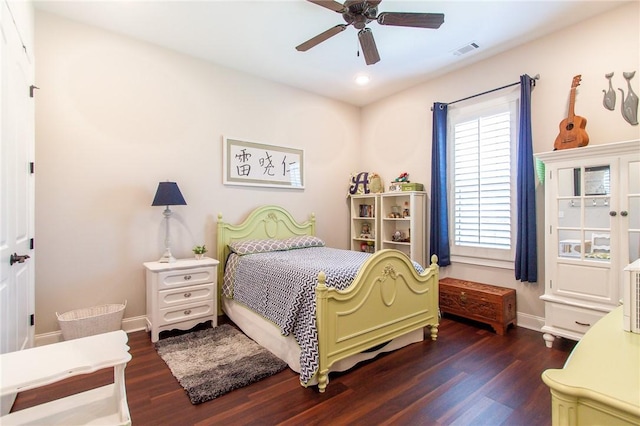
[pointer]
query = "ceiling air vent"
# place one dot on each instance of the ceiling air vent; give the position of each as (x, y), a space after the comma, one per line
(465, 49)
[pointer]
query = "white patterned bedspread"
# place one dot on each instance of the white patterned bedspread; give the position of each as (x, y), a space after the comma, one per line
(280, 286)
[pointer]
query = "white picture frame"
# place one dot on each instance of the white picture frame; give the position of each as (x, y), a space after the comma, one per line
(257, 164)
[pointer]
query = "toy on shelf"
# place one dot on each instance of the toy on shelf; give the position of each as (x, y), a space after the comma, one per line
(396, 185)
(363, 183)
(404, 177)
(365, 232)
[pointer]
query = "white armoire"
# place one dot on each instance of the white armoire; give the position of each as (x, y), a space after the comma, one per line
(592, 232)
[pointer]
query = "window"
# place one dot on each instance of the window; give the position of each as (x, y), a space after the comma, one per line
(482, 161)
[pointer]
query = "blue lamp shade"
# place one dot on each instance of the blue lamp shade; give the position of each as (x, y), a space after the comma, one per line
(168, 194)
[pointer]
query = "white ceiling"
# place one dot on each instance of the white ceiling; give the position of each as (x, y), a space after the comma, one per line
(259, 37)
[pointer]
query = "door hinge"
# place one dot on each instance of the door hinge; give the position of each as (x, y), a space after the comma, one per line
(32, 319)
(32, 244)
(32, 167)
(31, 89)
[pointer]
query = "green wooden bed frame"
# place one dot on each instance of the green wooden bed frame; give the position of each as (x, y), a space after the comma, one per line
(387, 299)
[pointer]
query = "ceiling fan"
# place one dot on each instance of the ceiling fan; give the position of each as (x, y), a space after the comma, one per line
(360, 13)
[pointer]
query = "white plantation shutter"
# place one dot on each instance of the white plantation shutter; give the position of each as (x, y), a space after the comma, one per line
(482, 170)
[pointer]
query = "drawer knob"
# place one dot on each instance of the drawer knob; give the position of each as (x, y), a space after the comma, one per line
(187, 295)
(187, 277)
(583, 323)
(463, 296)
(187, 312)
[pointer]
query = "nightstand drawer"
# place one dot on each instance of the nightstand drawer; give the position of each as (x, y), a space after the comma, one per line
(178, 296)
(186, 312)
(173, 279)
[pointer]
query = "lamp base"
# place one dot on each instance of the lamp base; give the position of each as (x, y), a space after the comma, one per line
(167, 257)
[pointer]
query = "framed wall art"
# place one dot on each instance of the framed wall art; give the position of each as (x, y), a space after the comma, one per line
(257, 164)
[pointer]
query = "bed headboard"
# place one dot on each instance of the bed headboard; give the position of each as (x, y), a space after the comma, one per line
(264, 222)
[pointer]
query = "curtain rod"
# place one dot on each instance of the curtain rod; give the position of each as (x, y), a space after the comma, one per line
(533, 82)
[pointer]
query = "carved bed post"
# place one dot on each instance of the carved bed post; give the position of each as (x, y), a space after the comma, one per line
(221, 252)
(434, 264)
(321, 307)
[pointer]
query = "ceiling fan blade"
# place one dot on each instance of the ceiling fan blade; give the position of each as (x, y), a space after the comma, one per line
(418, 20)
(329, 4)
(368, 44)
(314, 41)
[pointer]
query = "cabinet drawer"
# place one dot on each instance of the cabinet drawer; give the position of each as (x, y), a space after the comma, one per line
(186, 312)
(176, 296)
(571, 318)
(173, 279)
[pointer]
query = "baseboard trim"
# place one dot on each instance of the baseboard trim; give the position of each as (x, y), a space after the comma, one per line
(531, 322)
(128, 324)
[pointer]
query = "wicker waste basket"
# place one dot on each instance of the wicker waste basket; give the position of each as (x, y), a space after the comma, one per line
(89, 321)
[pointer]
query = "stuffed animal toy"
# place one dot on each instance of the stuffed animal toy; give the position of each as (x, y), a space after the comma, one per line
(375, 183)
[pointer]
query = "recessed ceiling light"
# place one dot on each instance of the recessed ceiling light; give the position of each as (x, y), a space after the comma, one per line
(362, 80)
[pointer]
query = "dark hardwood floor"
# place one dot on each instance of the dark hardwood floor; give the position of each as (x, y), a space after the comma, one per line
(469, 376)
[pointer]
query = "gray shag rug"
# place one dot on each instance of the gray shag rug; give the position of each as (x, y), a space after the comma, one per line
(212, 362)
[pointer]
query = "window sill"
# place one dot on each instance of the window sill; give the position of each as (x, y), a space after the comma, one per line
(492, 263)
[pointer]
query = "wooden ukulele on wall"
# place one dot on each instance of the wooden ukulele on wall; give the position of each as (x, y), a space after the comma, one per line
(572, 133)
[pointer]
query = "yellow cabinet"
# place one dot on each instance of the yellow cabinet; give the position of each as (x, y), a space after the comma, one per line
(600, 383)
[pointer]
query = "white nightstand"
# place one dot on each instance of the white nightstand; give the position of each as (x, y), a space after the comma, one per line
(181, 294)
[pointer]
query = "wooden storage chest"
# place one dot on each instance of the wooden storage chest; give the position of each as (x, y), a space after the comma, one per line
(485, 303)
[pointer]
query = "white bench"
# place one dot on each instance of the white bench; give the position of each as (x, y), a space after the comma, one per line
(43, 365)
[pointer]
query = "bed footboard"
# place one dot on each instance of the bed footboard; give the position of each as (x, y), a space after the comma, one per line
(387, 299)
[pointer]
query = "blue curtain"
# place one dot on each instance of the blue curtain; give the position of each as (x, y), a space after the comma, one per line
(526, 262)
(439, 232)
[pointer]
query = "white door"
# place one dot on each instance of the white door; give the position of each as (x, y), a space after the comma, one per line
(16, 180)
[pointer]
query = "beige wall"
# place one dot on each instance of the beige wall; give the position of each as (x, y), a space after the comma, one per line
(399, 127)
(115, 116)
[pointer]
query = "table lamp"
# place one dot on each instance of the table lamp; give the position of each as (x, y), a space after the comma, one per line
(168, 194)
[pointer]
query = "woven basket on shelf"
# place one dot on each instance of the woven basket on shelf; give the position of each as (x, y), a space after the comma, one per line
(89, 321)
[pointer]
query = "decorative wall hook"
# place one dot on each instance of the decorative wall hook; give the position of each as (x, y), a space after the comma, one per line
(629, 106)
(609, 100)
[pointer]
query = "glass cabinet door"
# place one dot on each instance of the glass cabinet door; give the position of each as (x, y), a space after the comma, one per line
(584, 213)
(630, 208)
